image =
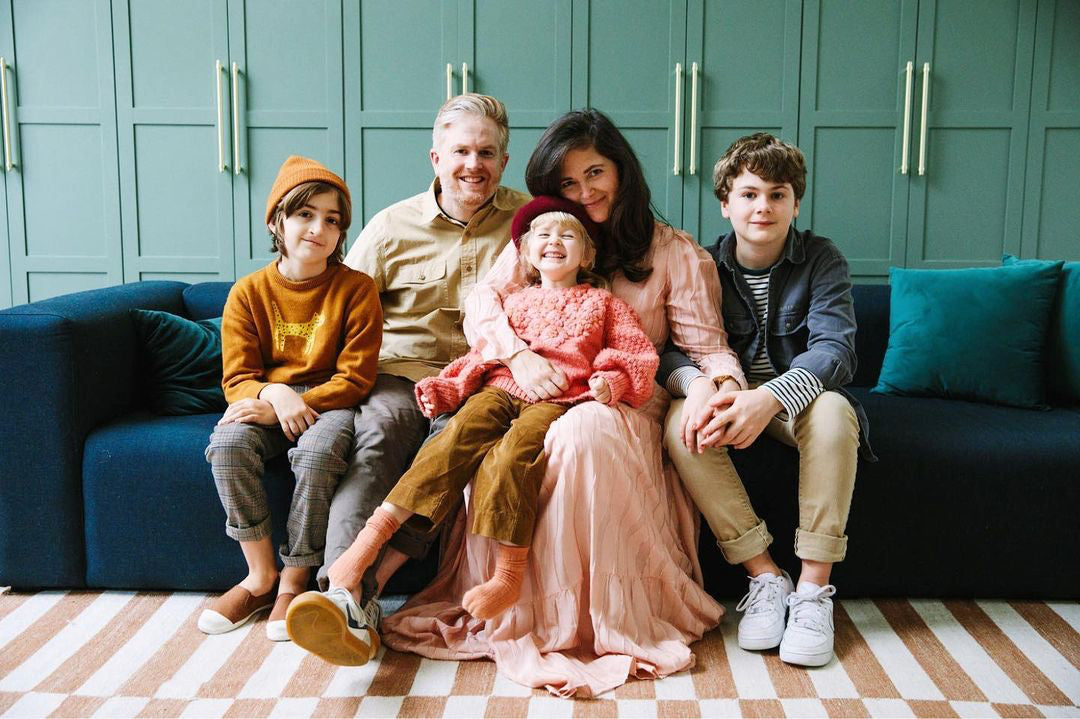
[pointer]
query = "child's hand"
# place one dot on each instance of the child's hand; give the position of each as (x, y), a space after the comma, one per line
(600, 390)
(292, 412)
(250, 411)
(426, 404)
(739, 417)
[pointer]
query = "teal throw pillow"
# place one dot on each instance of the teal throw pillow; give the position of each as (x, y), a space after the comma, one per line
(1063, 337)
(975, 334)
(181, 362)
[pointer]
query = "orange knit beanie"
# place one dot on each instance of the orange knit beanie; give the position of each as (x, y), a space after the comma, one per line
(295, 171)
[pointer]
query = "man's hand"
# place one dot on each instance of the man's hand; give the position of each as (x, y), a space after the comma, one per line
(292, 412)
(738, 418)
(250, 411)
(600, 389)
(537, 376)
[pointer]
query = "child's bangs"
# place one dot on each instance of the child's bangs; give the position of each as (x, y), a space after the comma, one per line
(301, 194)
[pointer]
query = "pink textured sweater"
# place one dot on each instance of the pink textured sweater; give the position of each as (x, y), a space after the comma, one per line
(584, 331)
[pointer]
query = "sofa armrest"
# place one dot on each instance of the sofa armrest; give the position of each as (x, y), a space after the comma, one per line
(68, 364)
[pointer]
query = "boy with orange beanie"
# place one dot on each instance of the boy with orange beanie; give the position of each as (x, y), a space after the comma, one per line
(300, 344)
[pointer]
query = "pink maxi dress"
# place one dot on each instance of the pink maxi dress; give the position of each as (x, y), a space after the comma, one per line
(613, 589)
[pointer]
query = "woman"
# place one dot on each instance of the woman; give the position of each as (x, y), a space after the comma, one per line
(613, 587)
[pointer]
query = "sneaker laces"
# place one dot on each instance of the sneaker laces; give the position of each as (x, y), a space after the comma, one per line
(761, 595)
(373, 611)
(811, 611)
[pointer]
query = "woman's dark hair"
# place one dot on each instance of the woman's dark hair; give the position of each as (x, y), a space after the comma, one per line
(629, 230)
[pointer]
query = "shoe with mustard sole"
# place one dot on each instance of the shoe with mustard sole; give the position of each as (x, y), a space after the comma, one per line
(332, 626)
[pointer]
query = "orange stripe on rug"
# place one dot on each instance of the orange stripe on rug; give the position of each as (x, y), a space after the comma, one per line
(862, 667)
(38, 634)
(761, 708)
(498, 707)
(420, 707)
(231, 677)
(931, 654)
(310, 678)
(395, 675)
(712, 673)
(74, 672)
(168, 659)
(78, 707)
(10, 602)
(473, 678)
(636, 689)
(845, 708)
(931, 709)
(790, 682)
(163, 709)
(250, 708)
(1007, 656)
(337, 707)
(1016, 711)
(1053, 628)
(677, 709)
(595, 709)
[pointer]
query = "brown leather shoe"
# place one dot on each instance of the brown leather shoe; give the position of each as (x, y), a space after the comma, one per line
(234, 609)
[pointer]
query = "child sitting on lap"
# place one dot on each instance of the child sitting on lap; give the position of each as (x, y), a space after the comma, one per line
(496, 440)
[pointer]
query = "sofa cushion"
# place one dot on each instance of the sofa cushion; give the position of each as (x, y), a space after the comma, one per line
(153, 517)
(206, 299)
(181, 362)
(1063, 337)
(974, 333)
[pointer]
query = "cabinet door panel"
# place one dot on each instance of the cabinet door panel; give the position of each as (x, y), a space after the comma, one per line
(396, 166)
(177, 200)
(62, 200)
(1051, 195)
(977, 115)
(624, 60)
(851, 125)
(5, 247)
(289, 102)
(743, 87)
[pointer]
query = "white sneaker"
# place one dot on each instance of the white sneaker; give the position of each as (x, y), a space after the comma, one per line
(332, 625)
(808, 639)
(762, 625)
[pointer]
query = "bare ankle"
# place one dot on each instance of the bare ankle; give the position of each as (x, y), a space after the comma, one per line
(259, 583)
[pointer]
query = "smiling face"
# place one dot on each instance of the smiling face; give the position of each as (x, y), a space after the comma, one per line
(590, 179)
(469, 165)
(310, 236)
(557, 251)
(761, 213)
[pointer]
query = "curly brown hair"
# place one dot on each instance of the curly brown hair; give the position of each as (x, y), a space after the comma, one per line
(766, 156)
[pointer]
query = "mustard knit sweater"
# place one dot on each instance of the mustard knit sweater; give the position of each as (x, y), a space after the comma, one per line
(324, 332)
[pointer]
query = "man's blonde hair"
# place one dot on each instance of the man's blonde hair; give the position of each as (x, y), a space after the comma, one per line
(478, 106)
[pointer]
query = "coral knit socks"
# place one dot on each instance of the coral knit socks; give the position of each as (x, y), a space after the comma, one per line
(349, 568)
(499, 593)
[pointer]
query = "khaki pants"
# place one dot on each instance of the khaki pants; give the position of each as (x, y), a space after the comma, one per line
(826, 434)
(499, 440)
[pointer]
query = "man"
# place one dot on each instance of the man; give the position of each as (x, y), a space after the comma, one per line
(425, 254)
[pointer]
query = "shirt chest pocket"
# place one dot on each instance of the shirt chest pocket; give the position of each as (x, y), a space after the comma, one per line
(422, 286)
(788, 322)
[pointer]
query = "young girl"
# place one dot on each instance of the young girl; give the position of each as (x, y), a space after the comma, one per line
(300, 341)
(498, 435)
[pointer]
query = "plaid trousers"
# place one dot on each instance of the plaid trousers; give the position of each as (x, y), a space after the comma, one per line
(237, 454)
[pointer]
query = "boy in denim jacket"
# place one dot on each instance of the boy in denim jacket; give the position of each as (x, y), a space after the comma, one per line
(789, 316)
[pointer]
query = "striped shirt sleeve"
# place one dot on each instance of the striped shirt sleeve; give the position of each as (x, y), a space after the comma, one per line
(794, 389)
(678, 382)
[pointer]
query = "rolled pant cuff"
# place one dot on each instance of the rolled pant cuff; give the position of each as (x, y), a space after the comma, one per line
(413, 541)
(752, 543)
(306, 560)
(507, 528)
(820, 547)
(249, 534)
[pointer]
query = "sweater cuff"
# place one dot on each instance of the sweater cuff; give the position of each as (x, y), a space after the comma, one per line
(618, 384)
(678, 382)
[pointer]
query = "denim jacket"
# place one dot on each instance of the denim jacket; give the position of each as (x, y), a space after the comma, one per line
(811, 316)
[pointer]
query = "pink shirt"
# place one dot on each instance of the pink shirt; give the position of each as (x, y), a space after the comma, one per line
(680, 299)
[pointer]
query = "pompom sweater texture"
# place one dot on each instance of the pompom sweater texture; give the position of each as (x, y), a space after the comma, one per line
(583, 331)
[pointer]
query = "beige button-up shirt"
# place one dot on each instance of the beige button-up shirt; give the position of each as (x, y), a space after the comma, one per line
(424, 265)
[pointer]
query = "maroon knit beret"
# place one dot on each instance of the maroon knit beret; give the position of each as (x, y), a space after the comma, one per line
(550, 203)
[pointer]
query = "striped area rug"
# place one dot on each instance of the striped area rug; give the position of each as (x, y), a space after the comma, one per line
(113, 654)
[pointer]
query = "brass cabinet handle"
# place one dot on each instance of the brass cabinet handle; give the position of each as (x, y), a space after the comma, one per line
(922, 130)
(220, 121)
(236, 118)
(906, 145)
(678, 118)
(449, 81)
(6, 112)
(693, 118)
(464, 78)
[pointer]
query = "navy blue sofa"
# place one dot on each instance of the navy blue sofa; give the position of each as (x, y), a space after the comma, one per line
(967, 499)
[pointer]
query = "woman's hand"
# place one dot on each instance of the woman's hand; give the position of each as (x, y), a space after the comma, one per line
(538, 377)
(739, 417)
(600, 390)
(695, 412)
(293, 414)
(250, 411)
